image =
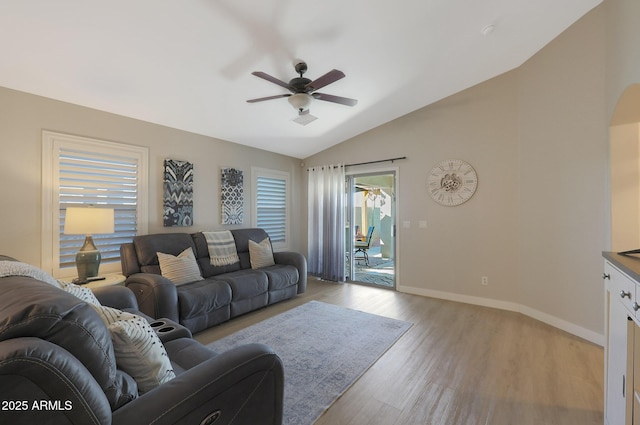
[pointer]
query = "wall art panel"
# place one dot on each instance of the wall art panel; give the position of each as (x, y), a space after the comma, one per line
(178, 193)
(232, 196)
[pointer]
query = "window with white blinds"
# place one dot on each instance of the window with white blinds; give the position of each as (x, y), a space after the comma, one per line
(104, 174)
(271, 211)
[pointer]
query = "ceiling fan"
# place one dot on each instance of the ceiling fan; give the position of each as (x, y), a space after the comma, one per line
(303, 91)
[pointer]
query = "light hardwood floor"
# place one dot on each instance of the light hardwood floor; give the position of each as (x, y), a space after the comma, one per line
(458, 364)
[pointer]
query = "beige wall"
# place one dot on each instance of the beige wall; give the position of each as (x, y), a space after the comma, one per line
(537, 137)
(452, 253)
(563, 149)
(623, 111)
(24, 116)
(622, 60)
(624, 154)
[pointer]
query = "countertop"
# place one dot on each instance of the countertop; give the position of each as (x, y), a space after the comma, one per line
(629, 264)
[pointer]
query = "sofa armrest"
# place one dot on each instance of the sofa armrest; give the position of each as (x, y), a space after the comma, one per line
(116, 297)
(33, 370)
(297, 260)
(129, 259)
(244, 385)
(168, 330)
(156, 295)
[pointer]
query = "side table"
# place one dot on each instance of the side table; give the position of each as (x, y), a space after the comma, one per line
(109, 280)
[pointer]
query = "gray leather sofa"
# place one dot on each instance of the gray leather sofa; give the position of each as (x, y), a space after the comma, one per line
(224, 293)
(57, 366)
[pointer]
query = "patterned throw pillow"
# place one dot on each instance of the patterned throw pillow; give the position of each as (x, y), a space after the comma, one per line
(181, 269)
(85, 294)
(138, 349)
(260, 254)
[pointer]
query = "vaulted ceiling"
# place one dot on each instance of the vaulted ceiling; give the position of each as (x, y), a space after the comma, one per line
(187, 64)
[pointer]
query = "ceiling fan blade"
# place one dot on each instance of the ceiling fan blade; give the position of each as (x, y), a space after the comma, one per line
(335, 99)
(328, 78)
(261, 99)
(274, 80)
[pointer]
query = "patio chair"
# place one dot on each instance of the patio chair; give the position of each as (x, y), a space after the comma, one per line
(363, 247)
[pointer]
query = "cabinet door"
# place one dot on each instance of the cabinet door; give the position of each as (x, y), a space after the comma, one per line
(636, 374)
(617, 385)
(622, 287)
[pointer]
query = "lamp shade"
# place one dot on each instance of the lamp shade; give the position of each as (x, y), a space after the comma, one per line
(88, 221)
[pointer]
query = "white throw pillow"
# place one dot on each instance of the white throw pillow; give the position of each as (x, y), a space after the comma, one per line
(181, 269)
(138, 349)
(260, 254)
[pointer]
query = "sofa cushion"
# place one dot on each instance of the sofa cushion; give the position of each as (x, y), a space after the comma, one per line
(249, 288)
(202, 297)
(281, 276)
(147, 247)
(246, 283)
(261, 254)
(180, 269)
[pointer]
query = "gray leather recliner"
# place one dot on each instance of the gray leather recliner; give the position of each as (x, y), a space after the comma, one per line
(57, 366)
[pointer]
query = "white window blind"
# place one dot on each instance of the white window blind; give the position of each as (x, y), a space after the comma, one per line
(80, 171)
(271, 190)
(107, 180)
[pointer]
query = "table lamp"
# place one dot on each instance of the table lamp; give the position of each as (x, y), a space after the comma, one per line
(88, 221)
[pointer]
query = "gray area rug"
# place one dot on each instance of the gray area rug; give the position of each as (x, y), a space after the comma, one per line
(324, 348)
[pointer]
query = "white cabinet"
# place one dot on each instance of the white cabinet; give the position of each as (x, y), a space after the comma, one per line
(622, 334)
(616, 368)
(636, 374)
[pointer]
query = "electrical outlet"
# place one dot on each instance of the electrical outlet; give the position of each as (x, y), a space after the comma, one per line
(485, 280)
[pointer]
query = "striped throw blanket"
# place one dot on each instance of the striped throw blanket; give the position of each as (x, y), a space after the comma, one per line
(222, 248)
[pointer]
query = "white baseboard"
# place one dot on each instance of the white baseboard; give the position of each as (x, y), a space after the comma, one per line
(556, 322)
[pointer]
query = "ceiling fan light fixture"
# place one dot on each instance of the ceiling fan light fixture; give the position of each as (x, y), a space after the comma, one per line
(300, 101)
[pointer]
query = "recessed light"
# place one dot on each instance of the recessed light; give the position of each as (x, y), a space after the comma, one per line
(488, 29)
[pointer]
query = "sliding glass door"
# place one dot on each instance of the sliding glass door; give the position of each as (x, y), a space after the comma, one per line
(370, 228)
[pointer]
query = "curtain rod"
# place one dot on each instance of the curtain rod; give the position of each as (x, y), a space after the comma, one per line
(376, 162)
(371, 162)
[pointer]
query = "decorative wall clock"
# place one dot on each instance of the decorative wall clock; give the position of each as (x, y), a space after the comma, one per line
(452, 182)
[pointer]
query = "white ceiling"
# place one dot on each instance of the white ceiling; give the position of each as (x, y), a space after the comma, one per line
(187, 64)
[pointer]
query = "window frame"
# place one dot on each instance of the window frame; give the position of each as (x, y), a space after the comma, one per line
(52, 142)
(256, 173)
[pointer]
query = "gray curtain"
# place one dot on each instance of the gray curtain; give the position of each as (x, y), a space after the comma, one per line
(326, 250)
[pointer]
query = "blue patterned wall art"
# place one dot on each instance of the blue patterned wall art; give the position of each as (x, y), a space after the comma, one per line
(178, 193)
(232, 196)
